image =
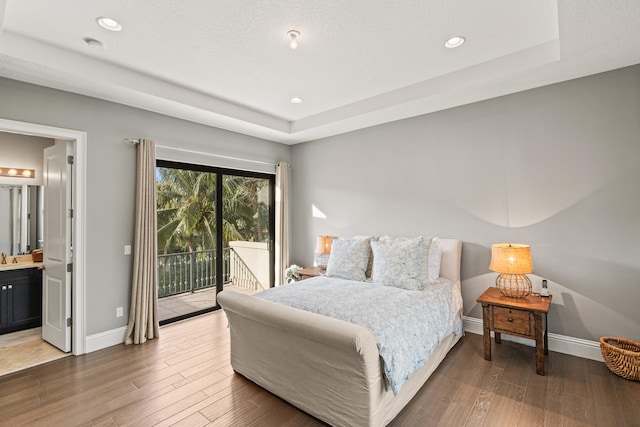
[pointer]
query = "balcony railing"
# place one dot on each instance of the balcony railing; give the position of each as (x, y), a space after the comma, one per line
(191, 271)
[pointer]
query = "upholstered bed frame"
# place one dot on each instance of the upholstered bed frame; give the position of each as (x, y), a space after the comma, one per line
(329, 368)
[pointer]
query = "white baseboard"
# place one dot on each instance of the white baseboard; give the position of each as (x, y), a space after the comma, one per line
(105, 339)
(560, 343)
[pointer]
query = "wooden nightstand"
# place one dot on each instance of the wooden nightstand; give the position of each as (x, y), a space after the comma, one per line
(308, 272)
(523, 317)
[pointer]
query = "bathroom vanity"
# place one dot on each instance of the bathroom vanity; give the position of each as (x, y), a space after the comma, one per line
(20, 296)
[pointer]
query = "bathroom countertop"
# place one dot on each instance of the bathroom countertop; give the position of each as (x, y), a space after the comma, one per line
(24, 261)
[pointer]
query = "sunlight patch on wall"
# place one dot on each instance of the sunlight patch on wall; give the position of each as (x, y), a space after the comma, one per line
(317, 213)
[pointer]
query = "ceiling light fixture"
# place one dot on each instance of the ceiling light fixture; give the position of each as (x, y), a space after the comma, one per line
(454, 42)
(108, 23)
(93, 43)
(293, 38)
(296, 100)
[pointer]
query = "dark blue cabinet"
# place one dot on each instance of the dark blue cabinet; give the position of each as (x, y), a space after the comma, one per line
(20, 299)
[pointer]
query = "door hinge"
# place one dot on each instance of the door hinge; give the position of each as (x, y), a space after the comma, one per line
(70, 267)
(70, 160)
(70, 213)
(69, 321)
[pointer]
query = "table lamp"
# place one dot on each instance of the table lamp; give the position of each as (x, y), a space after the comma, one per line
(512, 261)
(323, 249)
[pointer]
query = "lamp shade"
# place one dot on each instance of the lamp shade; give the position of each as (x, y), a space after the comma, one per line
(323, 244)
(511, 258)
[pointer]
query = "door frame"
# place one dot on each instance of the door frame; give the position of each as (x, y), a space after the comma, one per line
(78, 141)
(220, 172)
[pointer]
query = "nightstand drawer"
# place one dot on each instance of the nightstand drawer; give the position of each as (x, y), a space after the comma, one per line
(512, 320)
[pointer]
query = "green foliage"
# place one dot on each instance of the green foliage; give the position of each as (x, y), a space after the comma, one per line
(187, 209)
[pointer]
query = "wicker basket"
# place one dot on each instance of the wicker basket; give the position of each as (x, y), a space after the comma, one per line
(37, 255)
(622, 356)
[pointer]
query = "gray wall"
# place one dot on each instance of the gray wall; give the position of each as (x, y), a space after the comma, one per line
(111, 175)
(555, 167)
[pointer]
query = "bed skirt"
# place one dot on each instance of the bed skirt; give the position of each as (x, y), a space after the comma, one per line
(326, 367)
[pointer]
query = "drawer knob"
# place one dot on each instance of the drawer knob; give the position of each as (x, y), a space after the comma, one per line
(510, 319)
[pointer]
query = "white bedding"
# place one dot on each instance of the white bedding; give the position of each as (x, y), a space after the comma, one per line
(407, 324)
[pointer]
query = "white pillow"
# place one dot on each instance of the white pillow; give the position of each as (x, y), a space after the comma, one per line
(435, 258)
(348, 259)
(370, 263)
(424, 266)
(398, 263)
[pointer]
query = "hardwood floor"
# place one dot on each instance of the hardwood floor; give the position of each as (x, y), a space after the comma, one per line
(185, 379)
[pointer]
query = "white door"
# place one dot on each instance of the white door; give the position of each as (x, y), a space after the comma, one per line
(56, 286)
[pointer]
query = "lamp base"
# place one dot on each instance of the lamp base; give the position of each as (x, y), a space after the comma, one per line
(513, 285)
(322, 260)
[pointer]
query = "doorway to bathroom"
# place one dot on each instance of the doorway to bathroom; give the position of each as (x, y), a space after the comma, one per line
(69, 321)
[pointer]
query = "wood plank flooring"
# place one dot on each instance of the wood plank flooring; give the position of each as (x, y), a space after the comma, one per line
(185, 379)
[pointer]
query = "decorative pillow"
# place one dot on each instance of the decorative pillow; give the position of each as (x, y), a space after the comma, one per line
(348, 259)
(398, 263)
(370, 263)
(424, 266)
(435, 258)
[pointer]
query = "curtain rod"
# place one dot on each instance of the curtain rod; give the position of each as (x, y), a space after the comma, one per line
(202, 153)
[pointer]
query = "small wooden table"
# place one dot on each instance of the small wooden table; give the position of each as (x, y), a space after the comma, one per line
(308, 272)
(521, 317)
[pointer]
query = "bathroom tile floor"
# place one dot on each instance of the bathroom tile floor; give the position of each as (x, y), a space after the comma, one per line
(23, 349)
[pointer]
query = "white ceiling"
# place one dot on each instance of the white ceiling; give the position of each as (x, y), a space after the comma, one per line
(227, 63)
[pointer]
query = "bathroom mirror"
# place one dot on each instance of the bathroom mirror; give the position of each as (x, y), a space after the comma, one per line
(21, 218)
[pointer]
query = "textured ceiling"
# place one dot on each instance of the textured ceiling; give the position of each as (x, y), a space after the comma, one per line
(359, 63)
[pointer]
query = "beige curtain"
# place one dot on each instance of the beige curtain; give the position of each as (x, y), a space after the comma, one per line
(143, 316)
(282, 221)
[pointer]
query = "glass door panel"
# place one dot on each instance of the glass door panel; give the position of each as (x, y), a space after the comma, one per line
(247, 231)
(186, 201)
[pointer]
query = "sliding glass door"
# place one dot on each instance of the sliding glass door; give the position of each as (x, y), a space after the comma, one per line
(215, 232)
(247, 230)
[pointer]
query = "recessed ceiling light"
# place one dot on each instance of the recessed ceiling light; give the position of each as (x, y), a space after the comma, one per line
(454, 42)
(93, 43)
(293, 38)
(108, 23)
(296, 100)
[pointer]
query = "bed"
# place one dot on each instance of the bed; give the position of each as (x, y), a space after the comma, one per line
(327, 367)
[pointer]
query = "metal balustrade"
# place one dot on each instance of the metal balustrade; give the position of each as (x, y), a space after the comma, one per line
(184, 272)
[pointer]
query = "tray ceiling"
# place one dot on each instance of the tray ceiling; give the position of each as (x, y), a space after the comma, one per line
(358, 63)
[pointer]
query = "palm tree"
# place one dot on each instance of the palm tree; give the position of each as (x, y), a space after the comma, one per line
(187, 211)
(243, 213)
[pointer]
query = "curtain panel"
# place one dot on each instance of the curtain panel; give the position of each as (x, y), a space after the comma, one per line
(282, 222)
(143, 315)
